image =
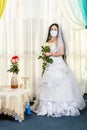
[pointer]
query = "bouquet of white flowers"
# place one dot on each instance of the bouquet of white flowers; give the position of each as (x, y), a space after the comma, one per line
(46, 59)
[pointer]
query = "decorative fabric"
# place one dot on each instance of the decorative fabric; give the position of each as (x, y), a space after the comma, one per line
(13, 102)
(2, 6)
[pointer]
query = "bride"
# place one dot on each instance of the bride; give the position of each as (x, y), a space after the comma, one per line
(60, 94)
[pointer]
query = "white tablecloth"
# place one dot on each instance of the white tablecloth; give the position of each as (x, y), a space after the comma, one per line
(13, 101)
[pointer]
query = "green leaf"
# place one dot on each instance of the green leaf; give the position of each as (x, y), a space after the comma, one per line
(40, 57)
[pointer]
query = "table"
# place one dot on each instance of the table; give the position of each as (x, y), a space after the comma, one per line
(13, 102)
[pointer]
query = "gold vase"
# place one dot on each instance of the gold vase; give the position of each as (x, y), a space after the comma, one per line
(14, 81)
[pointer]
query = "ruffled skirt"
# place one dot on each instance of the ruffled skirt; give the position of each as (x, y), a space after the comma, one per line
(60, 94)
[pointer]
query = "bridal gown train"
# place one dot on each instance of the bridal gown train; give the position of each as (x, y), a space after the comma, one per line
(60, 93)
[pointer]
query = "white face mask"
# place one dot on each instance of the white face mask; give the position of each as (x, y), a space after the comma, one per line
(53, 33)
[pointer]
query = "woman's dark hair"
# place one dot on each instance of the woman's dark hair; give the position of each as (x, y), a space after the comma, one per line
(49, 37)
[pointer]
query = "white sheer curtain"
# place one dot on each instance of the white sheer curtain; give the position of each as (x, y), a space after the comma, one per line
(75, 39)
(72, 13)
(23, 30)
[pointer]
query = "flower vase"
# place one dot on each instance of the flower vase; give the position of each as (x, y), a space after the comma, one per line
(14, 81)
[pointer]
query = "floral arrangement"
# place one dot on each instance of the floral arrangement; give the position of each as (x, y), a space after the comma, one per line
(46, 59)
(14, 65)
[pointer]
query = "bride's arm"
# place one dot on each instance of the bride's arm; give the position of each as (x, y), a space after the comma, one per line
(55, 54)
(60, 53)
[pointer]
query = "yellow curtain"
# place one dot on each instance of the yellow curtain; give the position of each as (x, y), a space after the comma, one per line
(2, 6)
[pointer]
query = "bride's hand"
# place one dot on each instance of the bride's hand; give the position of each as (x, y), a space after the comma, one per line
(47, 54)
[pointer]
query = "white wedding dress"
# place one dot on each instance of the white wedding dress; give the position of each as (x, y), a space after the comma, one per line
(60, 93)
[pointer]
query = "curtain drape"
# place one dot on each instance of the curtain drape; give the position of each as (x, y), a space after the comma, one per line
(23, 29)
(83, 7)
(2, 6)
(76, 41)
(79, 9)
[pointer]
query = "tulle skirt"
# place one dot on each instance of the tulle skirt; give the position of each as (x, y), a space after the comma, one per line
(60, 93)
